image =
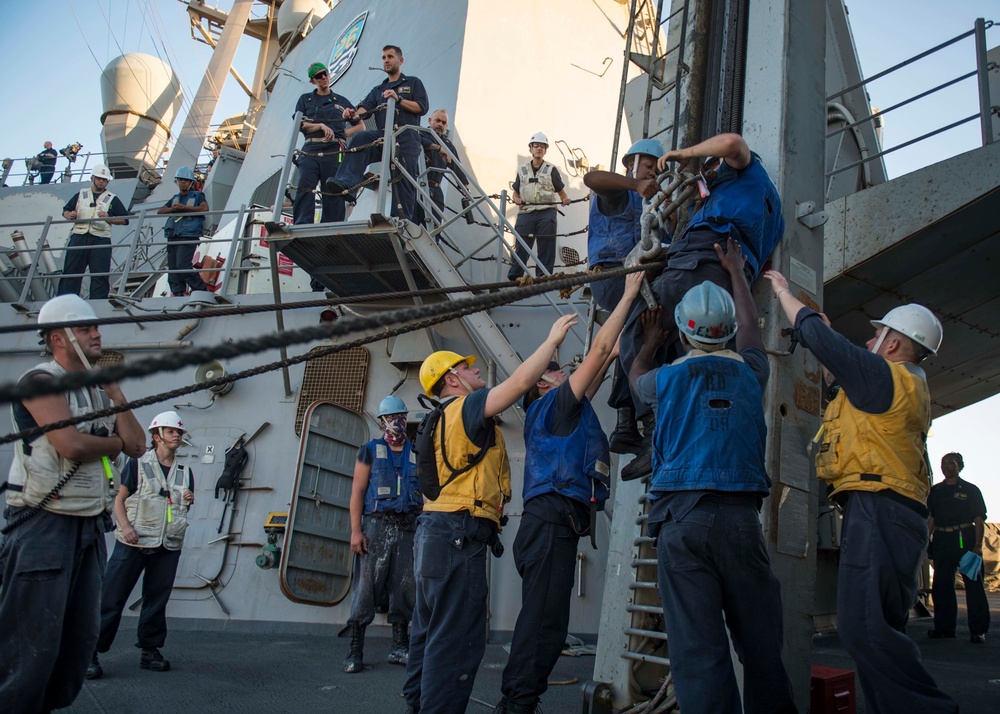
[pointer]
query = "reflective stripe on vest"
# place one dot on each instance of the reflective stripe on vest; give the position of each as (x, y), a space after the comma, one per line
(576, 466)
(392, 484)
(537, 188)
(157, 519)
(483, 489)
(871, 452)
(85, 211)
(37, 468)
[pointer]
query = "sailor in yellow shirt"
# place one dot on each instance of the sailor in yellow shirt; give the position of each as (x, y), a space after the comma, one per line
(459, 526)
(872, 452)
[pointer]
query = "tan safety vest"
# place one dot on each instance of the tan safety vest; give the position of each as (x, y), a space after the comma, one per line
(85, 211)
(482, 490)
(147, 509)
(872, 452)
(37, 467)
(541, 191)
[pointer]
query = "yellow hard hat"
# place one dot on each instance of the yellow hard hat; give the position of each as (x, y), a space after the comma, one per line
(437, 365)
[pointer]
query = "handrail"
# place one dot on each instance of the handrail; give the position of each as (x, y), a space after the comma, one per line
(981, 72)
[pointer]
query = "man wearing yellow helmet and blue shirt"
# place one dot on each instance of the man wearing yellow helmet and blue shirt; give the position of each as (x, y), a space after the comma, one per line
(708, 483)
(385, 502)
(459, 525)
(872, 452)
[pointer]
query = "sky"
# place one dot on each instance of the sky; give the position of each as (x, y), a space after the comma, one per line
(80, 37)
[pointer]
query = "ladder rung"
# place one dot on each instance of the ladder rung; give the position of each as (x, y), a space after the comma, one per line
(644, 561)
(655, 634)
(641, 519)
(643, 540)
(646, 658)
(643, 585)
(651, 609)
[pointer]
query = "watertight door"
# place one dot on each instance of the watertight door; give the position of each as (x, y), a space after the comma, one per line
(316, 561)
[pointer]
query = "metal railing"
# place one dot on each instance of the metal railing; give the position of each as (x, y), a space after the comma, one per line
(31, 274)
(78, 168)
(987, 108)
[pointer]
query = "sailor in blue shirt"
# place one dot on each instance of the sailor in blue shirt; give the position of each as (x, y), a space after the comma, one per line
(438, 162)
(742, 204)
(566, 478)
(48, 157)
(613, 230)
(385, 502)
(323, 127)
(411, 104)
(707, 486)
(183, 233)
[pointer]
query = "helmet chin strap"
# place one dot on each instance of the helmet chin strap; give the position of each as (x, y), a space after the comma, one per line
(880, 340)
(465, 384)
(76, 346)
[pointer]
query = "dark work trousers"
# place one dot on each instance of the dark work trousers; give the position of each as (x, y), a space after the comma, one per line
(882, 546)
(545, 555)
(668, 289)
(714, 573)
(52, 567)
(158, 568)
(46, 176)
(448, 635)
(92, 252)
(313, 172)
(180, 255)
(389, 560)
(352, 170)
(607, 294)
(536, 228)
(947, 554)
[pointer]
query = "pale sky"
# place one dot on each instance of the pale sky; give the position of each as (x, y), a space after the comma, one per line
(56, 49)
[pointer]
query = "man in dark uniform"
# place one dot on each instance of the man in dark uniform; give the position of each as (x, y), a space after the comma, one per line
(438, 161)
(743, 204)
(48, 157)
(459, 525)
(958, 515)
(411, 104)
(566, 479)
(323, 128)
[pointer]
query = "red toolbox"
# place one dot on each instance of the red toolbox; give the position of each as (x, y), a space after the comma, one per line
(832, 691)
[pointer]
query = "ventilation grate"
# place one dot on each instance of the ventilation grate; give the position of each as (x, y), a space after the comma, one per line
(339, 378)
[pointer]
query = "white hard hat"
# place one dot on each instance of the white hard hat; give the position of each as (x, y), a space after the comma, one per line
(706, 314)
(538, 138)
(101, 171)
(167, 419)
(916, 322)
(65, 308)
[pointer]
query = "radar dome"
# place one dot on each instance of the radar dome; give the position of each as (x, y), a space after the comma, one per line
(293, 13)
(141, 98)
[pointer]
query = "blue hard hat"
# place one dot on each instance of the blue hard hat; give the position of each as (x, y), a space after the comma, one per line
(184, 173)
(649, 147)
(391, 405)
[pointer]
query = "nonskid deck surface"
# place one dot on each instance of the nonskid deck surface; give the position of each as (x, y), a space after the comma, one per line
(274, 672)
(217, 672)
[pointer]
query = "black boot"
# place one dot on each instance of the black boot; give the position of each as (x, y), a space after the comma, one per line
(94, 669)
(642, 465)
(400, 643)
(355, 658)
(625, 439)
(152, 660)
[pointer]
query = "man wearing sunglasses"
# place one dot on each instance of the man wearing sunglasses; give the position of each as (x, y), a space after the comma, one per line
(325, 133)
(89, 243)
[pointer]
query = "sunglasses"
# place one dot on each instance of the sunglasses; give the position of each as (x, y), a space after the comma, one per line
(321, 75)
